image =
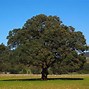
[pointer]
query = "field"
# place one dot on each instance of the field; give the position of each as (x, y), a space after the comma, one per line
(34, 82)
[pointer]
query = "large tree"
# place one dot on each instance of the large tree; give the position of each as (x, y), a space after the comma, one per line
(44, 41)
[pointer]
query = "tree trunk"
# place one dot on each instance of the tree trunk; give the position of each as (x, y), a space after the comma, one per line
(44, 73)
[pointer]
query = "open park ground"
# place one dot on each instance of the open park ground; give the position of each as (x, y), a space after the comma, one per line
(26, 81)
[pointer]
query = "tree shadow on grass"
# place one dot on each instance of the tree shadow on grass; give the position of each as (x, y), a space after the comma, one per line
(66, 78)
(39, 79)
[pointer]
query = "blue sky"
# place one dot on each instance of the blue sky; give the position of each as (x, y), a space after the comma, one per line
(14, 13)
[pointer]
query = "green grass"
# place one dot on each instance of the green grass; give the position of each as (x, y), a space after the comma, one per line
(34, 82)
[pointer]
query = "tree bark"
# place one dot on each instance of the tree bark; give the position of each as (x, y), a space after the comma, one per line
(44, 73)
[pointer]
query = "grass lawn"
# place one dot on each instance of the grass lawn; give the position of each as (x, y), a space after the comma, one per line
(34, 82)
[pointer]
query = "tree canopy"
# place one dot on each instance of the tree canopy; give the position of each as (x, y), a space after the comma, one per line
(44, 41)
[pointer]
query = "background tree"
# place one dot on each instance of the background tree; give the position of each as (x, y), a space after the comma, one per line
(4, 58)
(44, 41)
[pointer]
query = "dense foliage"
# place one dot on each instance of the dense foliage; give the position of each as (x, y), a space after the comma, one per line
(47, 44)
(4, 58)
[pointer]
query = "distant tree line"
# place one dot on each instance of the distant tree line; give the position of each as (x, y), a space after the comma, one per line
(43, 45)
